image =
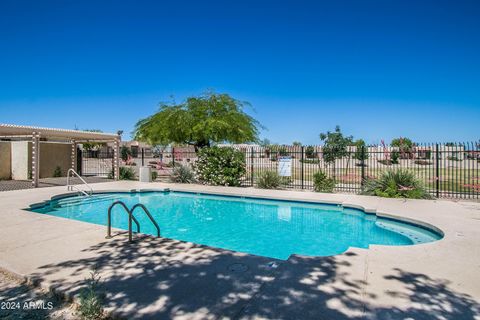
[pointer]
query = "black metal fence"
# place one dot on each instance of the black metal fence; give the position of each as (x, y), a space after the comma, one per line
(449, 170)
(95, 162)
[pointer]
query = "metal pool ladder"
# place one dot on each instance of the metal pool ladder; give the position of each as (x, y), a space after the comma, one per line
(71, 187)
(130, 219)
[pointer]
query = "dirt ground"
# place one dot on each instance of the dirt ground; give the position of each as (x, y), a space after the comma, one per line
(21, 301)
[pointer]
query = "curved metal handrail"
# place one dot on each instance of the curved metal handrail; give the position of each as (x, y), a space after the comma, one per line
(71, 187)
(139, 205)
(130, 218)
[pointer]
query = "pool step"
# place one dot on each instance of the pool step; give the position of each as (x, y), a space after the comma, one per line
(70, 202)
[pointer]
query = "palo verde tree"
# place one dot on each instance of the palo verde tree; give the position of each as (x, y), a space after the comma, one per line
(335, 146)
(199, 122)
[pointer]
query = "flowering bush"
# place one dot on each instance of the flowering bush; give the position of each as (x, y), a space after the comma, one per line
(220, 166)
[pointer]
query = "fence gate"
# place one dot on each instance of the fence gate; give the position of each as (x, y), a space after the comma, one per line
(97, 163)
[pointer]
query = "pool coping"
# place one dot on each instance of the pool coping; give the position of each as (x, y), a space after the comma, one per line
(459, 222)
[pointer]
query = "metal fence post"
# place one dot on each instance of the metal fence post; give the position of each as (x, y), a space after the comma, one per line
(143, 157)
(362, 166)
(173, 156)
(302, 164)
(437, 171)
(251, 166)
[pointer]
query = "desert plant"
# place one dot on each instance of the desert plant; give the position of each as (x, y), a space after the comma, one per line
(154, 175)
(361, 153)
(125, 152)
(125, 173)
(91, 299)
(423, 162)
(269, 180)
(310, 152)
(220, 166)
(400, 183)
(453, 158)
(57, 172)
(310, 161)
(322, 183)
(182, 174)
(395, 156)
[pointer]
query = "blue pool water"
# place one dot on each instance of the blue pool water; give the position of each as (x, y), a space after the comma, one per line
(269, 228)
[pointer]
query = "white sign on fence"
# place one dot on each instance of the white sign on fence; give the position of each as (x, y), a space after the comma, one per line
(285, 167)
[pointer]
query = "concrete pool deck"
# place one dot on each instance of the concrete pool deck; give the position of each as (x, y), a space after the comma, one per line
(164, 278)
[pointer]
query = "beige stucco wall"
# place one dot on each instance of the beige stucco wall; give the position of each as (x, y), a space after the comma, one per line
(20, 160)
(51, 156)
(5, 160)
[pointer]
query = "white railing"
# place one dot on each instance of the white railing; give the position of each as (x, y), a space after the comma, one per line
(71, 187)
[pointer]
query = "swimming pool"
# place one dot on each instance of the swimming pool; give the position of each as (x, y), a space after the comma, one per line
(271, 228)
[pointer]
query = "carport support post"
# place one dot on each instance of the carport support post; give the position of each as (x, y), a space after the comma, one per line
(73, 156)
(116, 158)
(35, 158)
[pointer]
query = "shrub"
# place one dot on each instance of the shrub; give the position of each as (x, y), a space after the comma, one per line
(91, 299)
(322, 183)
(386, 162)
(125, 152)
(453, 158)
(220, 166)
(310, 161)
(154, 175)
(125, 173)
(269, 180)
(423, 162)
(57, 172)
(182, 174)
(395, 156)
(400, 183)
(310, 152)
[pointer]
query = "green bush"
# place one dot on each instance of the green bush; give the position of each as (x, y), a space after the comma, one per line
(395, 156)
(154, 175)
(322, 183)
(310, 152)
(269, 180)
(125, 152)
(220, 166)
(423, 162)
(125, 173)
(400, 183)
(453, 158)
(310, 161)
(91, 299)
(57, 172)
(182, 174)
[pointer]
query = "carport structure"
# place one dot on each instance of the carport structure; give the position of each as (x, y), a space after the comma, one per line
(11, 132)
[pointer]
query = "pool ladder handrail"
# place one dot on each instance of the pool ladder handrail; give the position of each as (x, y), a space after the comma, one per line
(71, 187)
(130, 219)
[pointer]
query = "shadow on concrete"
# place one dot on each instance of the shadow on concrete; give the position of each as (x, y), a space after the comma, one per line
(165, 279)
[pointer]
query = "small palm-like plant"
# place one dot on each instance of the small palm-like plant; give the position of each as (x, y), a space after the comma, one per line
(400, 183)
(182, 174)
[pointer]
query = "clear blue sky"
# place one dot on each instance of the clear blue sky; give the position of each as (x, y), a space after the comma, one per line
(379, 69)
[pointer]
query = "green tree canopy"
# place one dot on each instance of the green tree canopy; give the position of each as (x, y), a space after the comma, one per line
(402, 143)
(93, 145)
(361, 153)
(199, 121)
(335, 145)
